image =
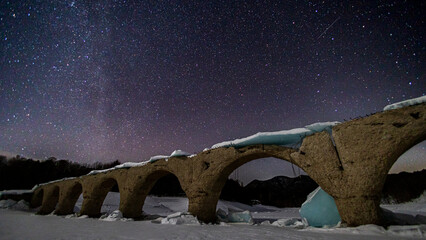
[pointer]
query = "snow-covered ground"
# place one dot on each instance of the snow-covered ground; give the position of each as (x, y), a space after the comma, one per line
(17, 222)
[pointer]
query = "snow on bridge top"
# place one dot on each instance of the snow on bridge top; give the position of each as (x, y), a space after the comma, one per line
(283, 138)
(406, 103)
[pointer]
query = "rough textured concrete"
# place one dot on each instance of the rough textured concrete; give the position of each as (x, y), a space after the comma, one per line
(355, 169)
(351, 165)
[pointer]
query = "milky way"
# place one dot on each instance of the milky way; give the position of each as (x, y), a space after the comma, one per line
(103, 80)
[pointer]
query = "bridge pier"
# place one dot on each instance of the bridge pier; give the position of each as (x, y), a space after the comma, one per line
(203, 205)
(95, 189)
(50, 199)
(360, 210)
(131, 204)
(67, 198)
(91, 205)
(357, 192)
(37, 198)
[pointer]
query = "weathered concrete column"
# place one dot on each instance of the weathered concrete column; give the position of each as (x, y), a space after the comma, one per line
(91, 205)
(37, 198)
(94, 194)
(131, 206)
(67, 199)
(132, 198)
(202, 203)
(360, 210)
(50, 199)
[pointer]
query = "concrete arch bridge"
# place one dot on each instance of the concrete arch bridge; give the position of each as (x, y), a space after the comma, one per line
(351, 165)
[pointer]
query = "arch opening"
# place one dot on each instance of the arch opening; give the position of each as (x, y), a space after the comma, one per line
(205, 206)
(69, 203)
(163, 195)
(404, 190)
(406, 179)
(98, 198)
(109, 192)
(268, 181)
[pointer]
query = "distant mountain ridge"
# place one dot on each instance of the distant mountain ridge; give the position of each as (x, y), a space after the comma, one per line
(281, 191)
(284, 191)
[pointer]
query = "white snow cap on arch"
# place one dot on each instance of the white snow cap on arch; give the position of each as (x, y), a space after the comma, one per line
(405, 103)
(176, 153)
(285, 137)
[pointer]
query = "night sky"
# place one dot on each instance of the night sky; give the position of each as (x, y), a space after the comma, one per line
(103, 80)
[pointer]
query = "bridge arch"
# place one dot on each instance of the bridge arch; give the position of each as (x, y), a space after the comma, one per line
(94, 194)
(203, 201)
(233, 164)
(134, 200)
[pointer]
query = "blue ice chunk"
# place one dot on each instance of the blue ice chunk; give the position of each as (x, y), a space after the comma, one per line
(320, 210)
(234, 216)
(240, 217)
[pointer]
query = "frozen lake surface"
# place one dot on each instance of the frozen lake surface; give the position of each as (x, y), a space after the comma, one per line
(17, 222)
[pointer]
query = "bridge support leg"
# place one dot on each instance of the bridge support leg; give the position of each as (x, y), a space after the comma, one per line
(359, 210)
(355, 186)
(203, 205)
(37, 198)
(92, 205)
(131, 205)
(66, 204)
(50, 199)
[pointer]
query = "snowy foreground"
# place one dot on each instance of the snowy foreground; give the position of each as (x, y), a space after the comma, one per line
(17, 222)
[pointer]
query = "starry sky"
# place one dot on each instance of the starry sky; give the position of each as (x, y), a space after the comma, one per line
(103, 80)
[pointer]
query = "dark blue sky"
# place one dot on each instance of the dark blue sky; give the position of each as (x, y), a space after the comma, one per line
(103, 80)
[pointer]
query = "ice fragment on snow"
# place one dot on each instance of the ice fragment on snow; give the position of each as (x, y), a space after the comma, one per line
(115, 216)
(289, 222)
(180, 218)
(11, 204)
(7, 203)
(234, 216)
(240, 217)
(319, 210)
(408, 231)
(21, 205)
